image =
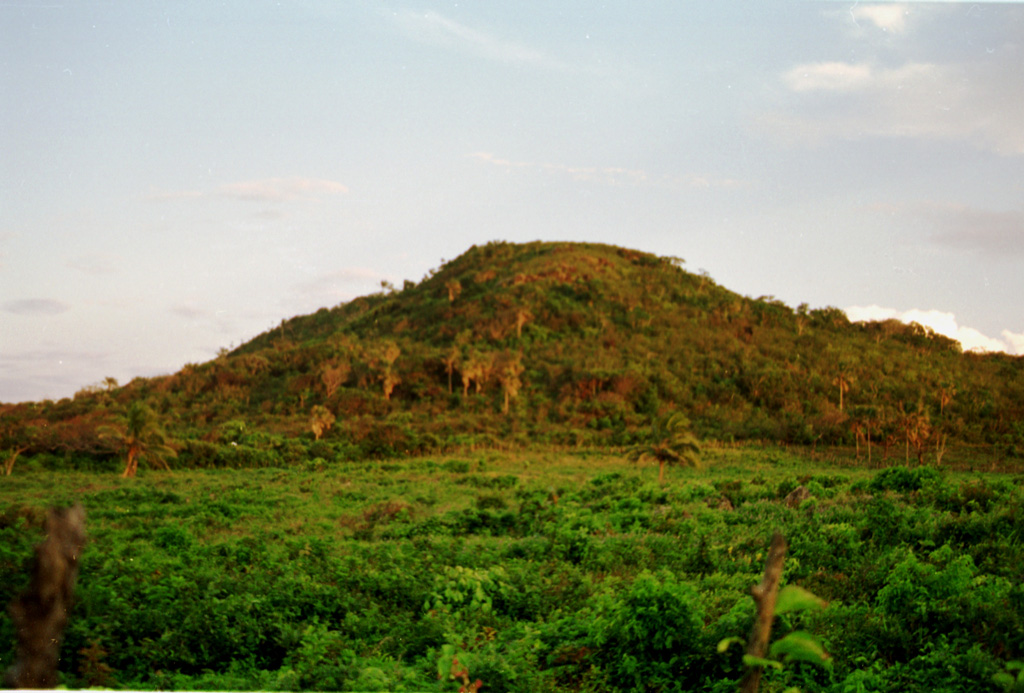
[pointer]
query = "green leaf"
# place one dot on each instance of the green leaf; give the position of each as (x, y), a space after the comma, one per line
(793, 598)
(724, 644)
(1003, 679)
(752, 661)
(800, 645)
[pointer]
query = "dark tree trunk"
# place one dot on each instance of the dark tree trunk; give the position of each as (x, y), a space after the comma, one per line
(40, 614)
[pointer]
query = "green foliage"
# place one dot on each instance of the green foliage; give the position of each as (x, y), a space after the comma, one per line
(904, 479)
(669, 442)
(796, 645)
(1012, 679)
(643, 635)
(537, 571)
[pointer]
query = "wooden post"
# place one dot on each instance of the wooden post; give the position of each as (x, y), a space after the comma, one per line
(764, 595)
(40, 614)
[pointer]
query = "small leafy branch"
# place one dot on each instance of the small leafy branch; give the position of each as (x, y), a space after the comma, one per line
(770, 601)
(458, 671)
(1007, 680)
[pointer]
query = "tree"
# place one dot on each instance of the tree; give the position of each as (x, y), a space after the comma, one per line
(946, 394)
(862, 422)
(450, 360)
(670, 442)
(509, 369)
(389, 379)
(15, 437)
(320, 420)
(523, 315)
(334, 376)
(858, 429)
(842, 381)
(454, 287)
(917, 429)
(11, 459)
(139, 434)
(475, 370)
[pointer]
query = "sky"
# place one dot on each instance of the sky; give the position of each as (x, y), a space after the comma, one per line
(178, 177)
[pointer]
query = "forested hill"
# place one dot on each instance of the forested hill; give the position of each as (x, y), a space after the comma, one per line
(552, 343)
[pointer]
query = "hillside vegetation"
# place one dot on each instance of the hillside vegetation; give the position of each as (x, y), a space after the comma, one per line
(550, 343)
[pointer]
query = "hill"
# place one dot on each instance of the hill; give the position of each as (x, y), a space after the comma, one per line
(551, 343)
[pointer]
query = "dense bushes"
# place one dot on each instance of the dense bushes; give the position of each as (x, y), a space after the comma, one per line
(536, 573)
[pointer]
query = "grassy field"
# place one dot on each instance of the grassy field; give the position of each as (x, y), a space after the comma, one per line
(535, 570)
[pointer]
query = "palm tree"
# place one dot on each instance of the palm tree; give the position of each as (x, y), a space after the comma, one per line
(670, 442)
(14, 440)
(946, 394)
(454, 287)
(842, 381)
(509, 369)
(389, 352)
(450, 361)
(139, 434)
(320, 420)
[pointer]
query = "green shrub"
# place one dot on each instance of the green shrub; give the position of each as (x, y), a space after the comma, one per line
(647, 635)
(904, 479)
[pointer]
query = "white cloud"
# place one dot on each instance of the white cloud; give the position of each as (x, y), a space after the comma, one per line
(943, 323)
(978, 102)
(1015, 340)
(830, 76)
(888, 17)
(850, 77)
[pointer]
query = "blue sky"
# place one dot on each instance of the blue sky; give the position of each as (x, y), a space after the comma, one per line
(178, 177)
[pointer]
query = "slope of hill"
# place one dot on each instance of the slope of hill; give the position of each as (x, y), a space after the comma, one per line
(561, 343)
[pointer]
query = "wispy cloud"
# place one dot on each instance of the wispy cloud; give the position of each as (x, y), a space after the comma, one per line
(853, 77)
(436, 29)
(329, 289)
(335, 287)
(260, 190)
(280, 189)
(51, 372)
(978, 102)
(155, 195)
(998, 234)
(35, 306)
(194, 315)
(611, 175)
(945, 324)
(96, 264)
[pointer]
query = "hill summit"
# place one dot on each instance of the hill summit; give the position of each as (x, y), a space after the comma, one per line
(553, 343)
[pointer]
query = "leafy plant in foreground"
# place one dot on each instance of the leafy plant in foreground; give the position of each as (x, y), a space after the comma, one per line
(797, 645)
